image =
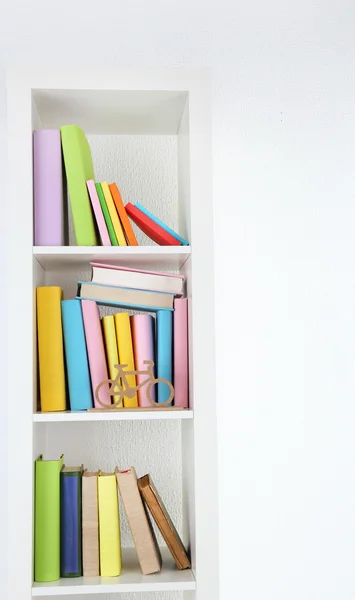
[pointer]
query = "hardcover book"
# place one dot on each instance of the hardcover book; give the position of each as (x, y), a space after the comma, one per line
(109, 526)
(70, 522)
(90, 525)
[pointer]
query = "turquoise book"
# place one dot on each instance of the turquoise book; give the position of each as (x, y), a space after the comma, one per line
(178, 237)
(164, 352)
(76, 358)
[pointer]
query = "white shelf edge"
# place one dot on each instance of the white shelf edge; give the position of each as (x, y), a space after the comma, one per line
(114, 588)
(72, 416)
(111, 250)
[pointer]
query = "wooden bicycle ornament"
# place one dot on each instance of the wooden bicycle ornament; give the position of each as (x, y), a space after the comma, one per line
(119, 387)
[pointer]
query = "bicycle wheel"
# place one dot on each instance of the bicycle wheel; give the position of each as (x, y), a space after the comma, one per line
(112, 384)
(160, 404)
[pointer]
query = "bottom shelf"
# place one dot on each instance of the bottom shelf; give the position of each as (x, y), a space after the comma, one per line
(131, 580)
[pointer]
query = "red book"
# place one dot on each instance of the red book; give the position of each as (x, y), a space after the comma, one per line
(150, 228)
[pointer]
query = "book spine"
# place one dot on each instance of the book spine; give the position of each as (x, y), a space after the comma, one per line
(96, 350)
(143, 346)
(47, 520)
(113, 214)
(128, 230)
(100, 219)
(48, 188)
(106, 214)
(181, 368)
(76, 356)
(109, 527)
(164, 352)
(178, 237)
(125, 353)
(108, 324)
(50, 349)
(70, 525)
(90, 525)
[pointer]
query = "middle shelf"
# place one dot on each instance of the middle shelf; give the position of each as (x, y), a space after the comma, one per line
(119, 415)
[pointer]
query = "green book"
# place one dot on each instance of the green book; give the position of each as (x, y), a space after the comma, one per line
(47, 519)
(79, 168)
(107, 217)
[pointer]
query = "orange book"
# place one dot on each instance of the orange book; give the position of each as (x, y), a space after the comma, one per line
(127, 227)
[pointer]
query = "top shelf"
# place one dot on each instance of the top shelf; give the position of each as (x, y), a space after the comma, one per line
(153, 257)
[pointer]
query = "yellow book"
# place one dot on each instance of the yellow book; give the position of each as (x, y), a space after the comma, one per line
(113, 214)
(125, 352)
(109, 526)
(50, 349)
(111, 349)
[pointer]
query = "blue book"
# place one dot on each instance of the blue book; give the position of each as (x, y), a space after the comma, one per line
(164, 352)
(70, 522)
(161, 224)
(76, 358)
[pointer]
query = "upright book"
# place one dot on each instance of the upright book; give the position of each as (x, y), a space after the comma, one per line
(142, 531)
(50, 349)
(90, 525)
(181, 363)
(106, 214)
(142, 327)
(70, 522)
(128, 230)
(125, 353)
(150, 228)
(79, 169)
(48, 188)
(108, 325)
(96, 350)
(109, 526)
(99, 216)
(155, 281)
(113, 214)
(47, 519)
(76, 356)
(164, 352)
(163, 521)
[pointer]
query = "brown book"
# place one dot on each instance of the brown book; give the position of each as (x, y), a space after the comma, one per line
(142, 531)
(90, 525)
(163, 521)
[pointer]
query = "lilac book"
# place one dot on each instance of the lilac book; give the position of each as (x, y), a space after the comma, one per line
(48, 188)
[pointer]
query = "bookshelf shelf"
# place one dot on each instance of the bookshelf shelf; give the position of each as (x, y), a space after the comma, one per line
(130, 580)
(126, 415)
(154, 257)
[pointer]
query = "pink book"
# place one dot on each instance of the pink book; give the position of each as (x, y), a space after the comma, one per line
(100, 219)
(181, 367)
(143, 346)
(96, 350)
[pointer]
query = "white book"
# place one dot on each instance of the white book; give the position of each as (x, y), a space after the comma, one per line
(133, 278)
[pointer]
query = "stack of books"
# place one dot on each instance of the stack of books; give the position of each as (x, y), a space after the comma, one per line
(75, 344)
(77, 522)
(99, 215)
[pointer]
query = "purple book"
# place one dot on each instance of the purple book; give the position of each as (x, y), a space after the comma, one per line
(48, 188)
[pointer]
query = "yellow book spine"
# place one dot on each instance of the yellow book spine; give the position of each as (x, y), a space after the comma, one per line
(108, 324)
(109, 526)
(113, 214)
(125, 352)
(50, 349)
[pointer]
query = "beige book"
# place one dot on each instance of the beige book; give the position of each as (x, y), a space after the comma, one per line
(142, 532)
(90, 525)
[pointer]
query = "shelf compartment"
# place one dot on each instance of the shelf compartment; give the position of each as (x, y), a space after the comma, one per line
(131, 580)
(152, 257)
(119, 415)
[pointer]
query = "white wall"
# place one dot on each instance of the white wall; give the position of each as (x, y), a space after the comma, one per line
(283, 111)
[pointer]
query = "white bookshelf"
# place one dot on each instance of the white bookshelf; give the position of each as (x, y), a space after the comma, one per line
(170, 102)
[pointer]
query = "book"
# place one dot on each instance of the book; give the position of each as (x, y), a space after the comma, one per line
(125, 353)
(79, 168)
(181, 364)
(142, 327)
(163, 521)
(99, 216)
(50, 349)
(108, 325)
(150, 228)
(70, 522)
(178, 237)
(48, 188)
(125, 297)
(127, 227)
(113, 214)
(47, 519)
(76, 358)
(164, 352)
(155, 281)
(90, 525)
(106, 214)
(142, 531)
(109, 526)
(96, 350)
